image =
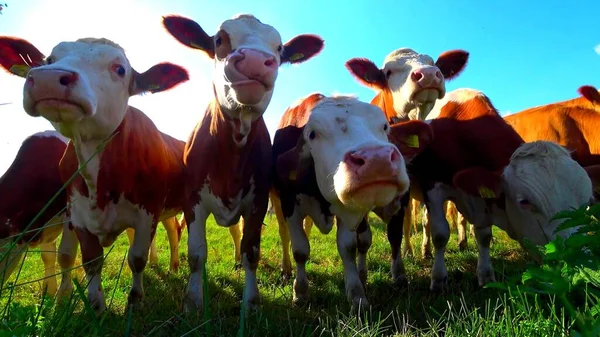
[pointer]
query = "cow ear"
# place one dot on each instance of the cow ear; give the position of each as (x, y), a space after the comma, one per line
(301, 48)
(17, 56)
(158, 78)
(452, 63)
(189, 33)
(294, 164)
(410, 137)
(590, 93)
(479, 182)
(367, 73)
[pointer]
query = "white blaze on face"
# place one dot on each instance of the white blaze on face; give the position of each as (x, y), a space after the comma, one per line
(252, 53)
(541, 180)
(356, 166)
(413, 79)
(85, 84)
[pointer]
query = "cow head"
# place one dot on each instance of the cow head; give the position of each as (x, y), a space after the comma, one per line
(345, 141)
(409, 81)
(590, 93)
(541, 180)
(82, 87)
(247, 54)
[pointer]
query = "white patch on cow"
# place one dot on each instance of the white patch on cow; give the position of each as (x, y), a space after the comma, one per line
(226, 216)
(541, 180)
(142, 238)
(301, 250)
(346, 244)
(251, 294)
(411, 99)
(99, 97)
(342, 125)
(311, 207)
(460, 95)
(49, 134)
(197, 252)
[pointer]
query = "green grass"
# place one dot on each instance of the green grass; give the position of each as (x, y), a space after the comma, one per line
(464, 309)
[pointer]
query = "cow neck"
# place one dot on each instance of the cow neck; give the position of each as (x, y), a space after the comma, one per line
(226, 128)
(385, 101)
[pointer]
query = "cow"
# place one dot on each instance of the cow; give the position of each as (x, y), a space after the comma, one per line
(331, 157)
(408, 85)
(590, 93)
(132, 174)
(25, 189)
(494, 177)
(228, 155)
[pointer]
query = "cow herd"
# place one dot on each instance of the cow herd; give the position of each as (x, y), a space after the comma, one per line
(332, 158)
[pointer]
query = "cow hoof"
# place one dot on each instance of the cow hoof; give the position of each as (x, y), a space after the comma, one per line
(300, 300)
(64, 292)
(174, 266)
(300, 295)
(401, 281)
(486, 277)
(360, 304)
(252, 304)
(462, 246)
(437, 286)
(237, 265)
(135, 300)
(192, 306)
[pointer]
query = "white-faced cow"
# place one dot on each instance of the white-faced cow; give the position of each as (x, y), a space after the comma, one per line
(332, 157)
(494, 177)
(228, 155)
(408, 85)
(135, 180)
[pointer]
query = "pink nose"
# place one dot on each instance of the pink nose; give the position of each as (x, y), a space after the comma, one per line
(380, 160)
(430, 76)
(50, 77)
(256, 64)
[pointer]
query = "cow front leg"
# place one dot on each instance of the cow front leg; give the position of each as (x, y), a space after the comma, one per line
(197, 251)
(440, 234)
(284, 235)
(461, 223)
(92, 258)
(171, 225)
(347, 246)
(485, 270)
(67, 252)
(236, 235)
(9, 260)
(394, 229)
(301, 252)
(364, 240)
(48, 252)
(250, 248)
(137, 258)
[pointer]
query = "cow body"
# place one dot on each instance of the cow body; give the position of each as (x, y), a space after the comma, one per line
(25, 189)
(228, 155)
(478, 161)
(332, 158)
(131, 174)
(408, 85)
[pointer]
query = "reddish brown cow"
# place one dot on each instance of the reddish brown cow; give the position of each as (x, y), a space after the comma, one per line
(478, 161)
(228, 155)
(133, 181)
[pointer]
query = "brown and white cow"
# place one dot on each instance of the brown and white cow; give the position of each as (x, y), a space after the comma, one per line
(135, 179)
(27, 186)
(408, 85)
(494, 177)
(228, 155)
(332, 157)
(25, 189)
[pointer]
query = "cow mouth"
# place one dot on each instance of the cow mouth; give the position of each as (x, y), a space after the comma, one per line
(424, 95)
(59, 110)
(376, 184)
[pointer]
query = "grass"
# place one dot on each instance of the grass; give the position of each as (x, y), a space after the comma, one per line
(464, 309)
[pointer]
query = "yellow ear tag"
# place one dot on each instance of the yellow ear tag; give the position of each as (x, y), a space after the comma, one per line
(292, 175)
(412, 141)
(20, 70)
(153, 87)
(486, 193)
(296, 57)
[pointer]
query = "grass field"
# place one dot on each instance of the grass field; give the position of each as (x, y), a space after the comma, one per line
(463, 310)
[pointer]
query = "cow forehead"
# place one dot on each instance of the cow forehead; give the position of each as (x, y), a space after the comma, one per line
(95, 51)
(345, 109)
(402, 56)
(243, 27)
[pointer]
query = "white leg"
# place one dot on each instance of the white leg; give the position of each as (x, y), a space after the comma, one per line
(485, 270)
(364, 241)
(197, 252)
(347, 245)
(137, 258)
(440, 234)
(301, 249)
(48, 252)
(67, 252)
(171, 225)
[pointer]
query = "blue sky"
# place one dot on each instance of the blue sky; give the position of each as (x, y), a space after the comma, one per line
(522, 52)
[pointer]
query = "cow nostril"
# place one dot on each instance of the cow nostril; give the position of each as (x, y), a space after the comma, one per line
(65, 80)
(358, 161)
(416, 76)
(438, 74)
(269, 62)
(394, 156)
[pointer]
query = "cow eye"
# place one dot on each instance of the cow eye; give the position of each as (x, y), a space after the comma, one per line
(388, 74)
(312, 135)
(218, 41)
(385, 127)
